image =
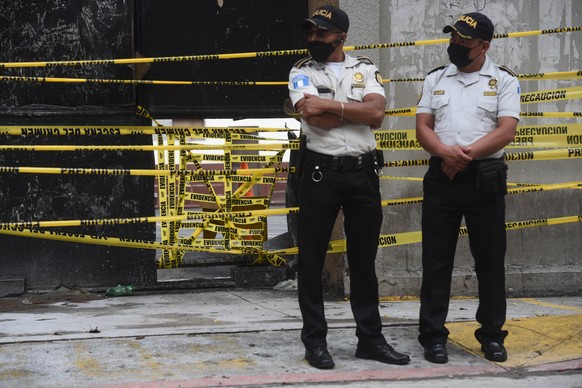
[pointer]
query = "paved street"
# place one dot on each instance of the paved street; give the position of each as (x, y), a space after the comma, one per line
(251, 338)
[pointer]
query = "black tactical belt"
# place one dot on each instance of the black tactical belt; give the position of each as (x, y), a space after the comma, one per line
(342, 163)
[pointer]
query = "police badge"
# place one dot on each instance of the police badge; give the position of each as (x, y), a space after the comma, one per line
(493, 83)
(359, 81)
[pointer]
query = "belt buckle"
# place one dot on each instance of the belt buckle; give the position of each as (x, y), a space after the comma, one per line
(348, 163)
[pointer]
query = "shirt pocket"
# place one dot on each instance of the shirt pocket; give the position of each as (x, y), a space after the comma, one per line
(440, 106)
(325, 92)
(487, 113)
(356, 95)
(488, 105)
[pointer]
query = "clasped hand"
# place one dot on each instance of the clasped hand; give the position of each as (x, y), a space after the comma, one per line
(455, 160)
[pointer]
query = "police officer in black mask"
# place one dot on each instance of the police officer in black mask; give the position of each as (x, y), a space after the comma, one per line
(341, 101)
(468, 112)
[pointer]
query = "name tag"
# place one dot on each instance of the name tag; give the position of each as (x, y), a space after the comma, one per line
(490, 93)
(358, 85)
(438, 92)
(324, 90)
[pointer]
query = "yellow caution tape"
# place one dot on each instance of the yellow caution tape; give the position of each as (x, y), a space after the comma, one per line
(128, 61)
(446, 40)
(551, 114)
(532, 136)
(401, 178)
(389, 240)
(65, 148)
(549, 129)
(139, 82)
(411, 112)
(405, 163)
(548, 187)
(395, 134)
(221, 200)
(405, 112)
(542, 141)
(545, 155)
(102, 240)
(244, 179)
(563, 153)
(140, 172)
(546, 141)
(402, 201)
(551, 95)
(130, 130)
(251, 216)
(525, 98)
(559, 75)
(528, 189)
(141, 111)
(563, 75)
(209, 245)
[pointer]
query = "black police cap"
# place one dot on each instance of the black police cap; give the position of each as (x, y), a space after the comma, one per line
(472, 25)
(328, 17)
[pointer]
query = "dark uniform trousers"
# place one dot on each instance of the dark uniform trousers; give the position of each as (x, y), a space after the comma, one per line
(323, 191)
(445, 203)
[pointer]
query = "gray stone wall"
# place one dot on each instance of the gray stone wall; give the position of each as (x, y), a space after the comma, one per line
(540, 261)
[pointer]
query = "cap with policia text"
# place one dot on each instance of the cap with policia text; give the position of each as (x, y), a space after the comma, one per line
(472, 25)
(328, 17)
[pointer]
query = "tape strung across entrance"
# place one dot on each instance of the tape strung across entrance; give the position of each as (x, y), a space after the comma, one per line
(565, 75)
(244, 231)
(207, 57)
(247, 247)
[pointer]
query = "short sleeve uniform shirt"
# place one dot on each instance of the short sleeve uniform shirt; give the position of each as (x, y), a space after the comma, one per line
(358, 78)
(466, 109)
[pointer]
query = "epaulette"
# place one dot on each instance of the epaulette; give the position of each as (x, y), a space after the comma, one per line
(507, 69)
(365, 60)
(302, 62)
(437, 69)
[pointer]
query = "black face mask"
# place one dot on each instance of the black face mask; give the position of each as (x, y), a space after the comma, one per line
(459, 55)
(320, 51)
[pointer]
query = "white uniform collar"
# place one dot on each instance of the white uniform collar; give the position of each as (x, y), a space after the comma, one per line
(349, 61)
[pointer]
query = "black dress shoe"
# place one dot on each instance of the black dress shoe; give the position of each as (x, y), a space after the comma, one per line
(436, 353)
(383, 353)
(319, 357)
(494, 351)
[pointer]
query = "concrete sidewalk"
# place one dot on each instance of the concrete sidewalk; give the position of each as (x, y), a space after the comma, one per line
(251, 338)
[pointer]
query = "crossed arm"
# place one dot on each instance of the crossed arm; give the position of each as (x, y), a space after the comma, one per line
(325, 113)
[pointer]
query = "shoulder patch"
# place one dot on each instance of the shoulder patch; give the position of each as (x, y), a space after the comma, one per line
(507, 69)
(302, 62)
(365, 60)
(379, 78)
(437, 69)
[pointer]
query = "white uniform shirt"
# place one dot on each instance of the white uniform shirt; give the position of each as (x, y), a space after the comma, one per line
(358, 78)
(465, 111)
